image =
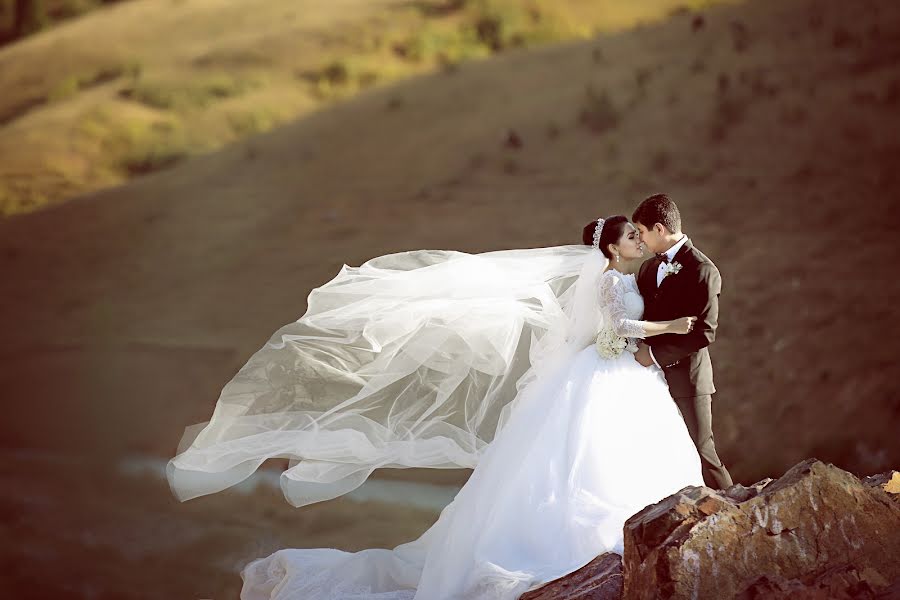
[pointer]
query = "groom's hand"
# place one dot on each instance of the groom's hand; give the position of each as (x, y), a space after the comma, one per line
(643, 355)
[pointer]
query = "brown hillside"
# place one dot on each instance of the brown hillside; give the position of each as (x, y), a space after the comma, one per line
(139, 86)
(773, 125)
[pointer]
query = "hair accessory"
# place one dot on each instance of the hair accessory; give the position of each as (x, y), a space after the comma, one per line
(597, 232)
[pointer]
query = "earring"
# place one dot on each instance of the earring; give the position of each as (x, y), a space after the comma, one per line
(617, 258)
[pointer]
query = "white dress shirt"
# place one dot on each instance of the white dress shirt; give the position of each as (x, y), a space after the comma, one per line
(670, 253)
(660, 273)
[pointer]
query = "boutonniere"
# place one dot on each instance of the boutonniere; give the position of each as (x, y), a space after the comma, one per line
(671, 268)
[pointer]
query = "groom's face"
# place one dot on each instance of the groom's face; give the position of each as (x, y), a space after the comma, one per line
(651, 238)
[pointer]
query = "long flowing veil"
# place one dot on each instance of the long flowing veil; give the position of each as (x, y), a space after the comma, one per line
(413, 359)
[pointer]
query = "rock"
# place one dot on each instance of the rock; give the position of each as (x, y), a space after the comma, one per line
(836, 583)
(739, 493)
(816, 532)
(890, 593)
(888, 481)
(600, 579)
(669, 522)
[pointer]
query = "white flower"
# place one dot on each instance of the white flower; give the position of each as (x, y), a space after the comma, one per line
(671, 268)
(609, 345)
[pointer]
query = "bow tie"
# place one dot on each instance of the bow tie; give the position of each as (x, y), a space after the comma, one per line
(663, 257)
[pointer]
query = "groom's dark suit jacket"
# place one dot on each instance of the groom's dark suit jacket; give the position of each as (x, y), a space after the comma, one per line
(692, 292)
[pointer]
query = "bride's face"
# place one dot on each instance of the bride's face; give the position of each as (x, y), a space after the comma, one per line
(629, 245)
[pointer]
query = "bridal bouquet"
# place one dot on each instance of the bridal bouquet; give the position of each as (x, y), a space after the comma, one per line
(609, 345)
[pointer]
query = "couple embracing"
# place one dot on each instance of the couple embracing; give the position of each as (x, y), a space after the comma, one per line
(574, 380)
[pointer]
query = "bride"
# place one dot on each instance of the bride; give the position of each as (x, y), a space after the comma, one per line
(517, 363)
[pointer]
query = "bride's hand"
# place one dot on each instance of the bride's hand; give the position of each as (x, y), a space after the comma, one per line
(683, 325)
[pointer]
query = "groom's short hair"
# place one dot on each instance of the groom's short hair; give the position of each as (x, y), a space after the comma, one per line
(658, 208)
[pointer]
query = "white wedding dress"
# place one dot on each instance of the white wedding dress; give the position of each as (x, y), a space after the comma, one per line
(599, 440)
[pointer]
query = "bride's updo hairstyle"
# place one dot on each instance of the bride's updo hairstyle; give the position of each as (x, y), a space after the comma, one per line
(613, 229)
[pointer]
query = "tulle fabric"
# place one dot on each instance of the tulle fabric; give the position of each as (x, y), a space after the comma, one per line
(585, 448)
(412, 359)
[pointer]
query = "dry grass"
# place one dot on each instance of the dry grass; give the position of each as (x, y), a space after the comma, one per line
(216, 72)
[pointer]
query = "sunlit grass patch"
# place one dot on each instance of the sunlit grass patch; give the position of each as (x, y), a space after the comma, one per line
(16, 198)
(134, 146)
(459, 31)
(440, 44)
(194, 93)
(475, 29)
(502, 24)
(251, 121)
(73, 84)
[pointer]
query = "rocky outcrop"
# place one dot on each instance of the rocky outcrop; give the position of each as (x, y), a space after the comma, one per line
(600, 579)
(816, 526)
(816, 532)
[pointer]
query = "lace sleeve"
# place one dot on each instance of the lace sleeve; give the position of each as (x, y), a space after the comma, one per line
(612, 306)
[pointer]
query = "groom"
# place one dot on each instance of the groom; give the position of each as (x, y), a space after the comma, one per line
(681, 282)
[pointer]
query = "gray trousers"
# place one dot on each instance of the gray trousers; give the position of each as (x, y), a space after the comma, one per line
(697, 414)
